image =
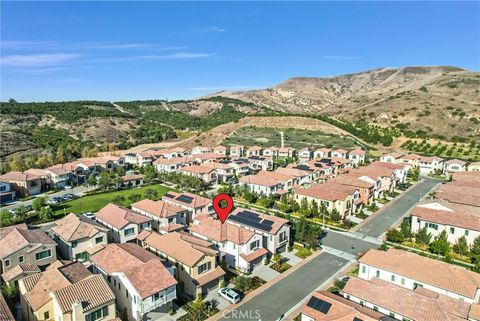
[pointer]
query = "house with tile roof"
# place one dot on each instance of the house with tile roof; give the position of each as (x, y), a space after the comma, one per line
(12, 276)
(238, 247)
(305, 154)
(140, 280)
(7, 194)
(357, 156)
(254, 151)
(326, 306)
(23, 183)
(168, 152)
(366, 187)
(21, 245)
(239, 167)
(270, 151)
(332, 196)
(451, 166)
(411, 271)
(195, 260)
(124, 224)
(391, 157)
(388, 181)
(287, 152)
(169, 165)
(193, 203)
(302, 176)
(162, 213)
(139, 159)
(259, 163)
(340, 153)
(236, 151)
(322, 152)
(400, 171)
(275, 231)
(409, 160)
(39, 300)
(5, 313)
(456, 220)
(225, 171)
(206, 174)
(261, 184)
(400, 303)
(220, 150)
(200, 150)
(474, 167)
(465, 193)
(78, 237)
(430, 165)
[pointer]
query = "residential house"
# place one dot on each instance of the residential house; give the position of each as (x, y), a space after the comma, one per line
(270, 151)
(5, 313)
(287, 152)
(332, 196)
(200, 150)
(410, 160)
(200, 159)
(365, 186)
(21, 245)
(78, 237)
(391, 157)
(474, 167)
(455, 219)
(40, 304)
(195, 204)
(224, 170)
(388, 181)
(430, 165)
(463, 193)
(323, 306)
(195, 260)
(23, 183)
(400, 171)
(255, 151)
(305, 154)
(165, 216)
(340, 153)
(124, 224)
(53, 177)
(139, 159)
(287, 180)
(236, 151)
(169, 165)
(260, 184)
(399, 303)
(103, 163)
(451, 166)
(411, 271)
(131, 180)
(220, 150)
(238, 247)
(12, 276)
(239, 166)
(168, 152)
(206, 174)
(141, 281)
(322, 152)
(302, 177)
(259, 163)
(357, 156)
(7, 194)
(78, 171)
(275, 231)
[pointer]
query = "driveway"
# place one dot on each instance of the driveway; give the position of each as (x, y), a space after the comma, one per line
(279, 298)
(395, 210)
(264, 272)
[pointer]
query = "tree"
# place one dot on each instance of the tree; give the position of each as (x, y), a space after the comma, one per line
(45, 214)
(60, 155)
(120, 171)
(149, 173)
(21, 213)
(5, 218)
(134, 197)
(105, 181)
(476, 246)
(394, 235)
(243, 283)
(406, 229)
(440, 245)
(38, 203)
(423, 237)
(461, 247)
(118, 199)
(304, 210)
(91, 181)
(17, 164)
(335, 216)
(314, 211)
(151, 194)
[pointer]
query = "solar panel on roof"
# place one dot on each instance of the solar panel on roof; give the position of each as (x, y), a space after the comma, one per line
(185, 199)
(267, 222)
(357, 319)
(169, 195)
(319, 305)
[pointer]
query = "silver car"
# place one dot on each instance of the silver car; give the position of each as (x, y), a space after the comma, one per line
(230, 294)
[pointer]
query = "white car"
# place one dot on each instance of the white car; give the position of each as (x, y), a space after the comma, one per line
(89, 215)
(230, 294)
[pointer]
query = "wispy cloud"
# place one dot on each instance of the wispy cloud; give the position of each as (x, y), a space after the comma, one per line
(37, 59)
(211, 29)
(18, 45)
(340, 57)
(179, 55)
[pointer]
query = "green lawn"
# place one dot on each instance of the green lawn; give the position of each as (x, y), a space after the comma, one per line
(297, 138)
(92, 203)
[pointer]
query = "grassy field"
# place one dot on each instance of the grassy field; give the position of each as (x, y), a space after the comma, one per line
(92, 203)
(297, 138)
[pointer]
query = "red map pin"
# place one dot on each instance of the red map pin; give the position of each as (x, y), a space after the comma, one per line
(222, 204)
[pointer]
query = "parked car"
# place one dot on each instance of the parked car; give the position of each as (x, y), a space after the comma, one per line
(67, 187)
(230, 294)
(89, 215)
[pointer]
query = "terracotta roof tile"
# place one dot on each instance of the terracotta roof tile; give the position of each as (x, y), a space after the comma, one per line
(277, 221)
(158, 208)
(119, 217)
(73, 227)
(5, 313)
(12, 239)
(254, 255)
(18, 176)
(21, 270)
(452, 218)
(197, 201)
(197, 169)
(215, 274)
(150, 278)
(215, 230)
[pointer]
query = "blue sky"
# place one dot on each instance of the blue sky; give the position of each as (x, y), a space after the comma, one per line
(180, 50)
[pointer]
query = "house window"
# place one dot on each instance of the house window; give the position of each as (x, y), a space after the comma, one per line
(378, 274)
(375, 308)
(283, 236)
(466, 232)
(126, 293)
(254, 245)
(74, 244)
(392, 278)
(433, 226)
(362, 303)
(97, 314)
(402, 281)
(99, 239)
(7, 263)
(364, 269)
(43, 255)
(82, 256)
(20, 259)
(392, 314)
(129, 231)
(452, 230)
(46, 315)
(156, 296)
(416, 285)
(204, 267)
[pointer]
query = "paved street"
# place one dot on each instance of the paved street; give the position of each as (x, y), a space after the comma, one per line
(378, 224)
(286, 293)
(348, 242)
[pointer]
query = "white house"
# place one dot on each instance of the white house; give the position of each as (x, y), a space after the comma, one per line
(275, 230)
(357, 156)
(236, 151)
(138, 159)
(238, 247)
(259, 163)
(260, 184)
(254, 151)
(193, 203)
(456, 220)
(429, 165)
(391, 157)
(163, 214)
(340, 153)
(220, 150)
(173, 164)
(454, 165)
(322, 152)
(124, 224)
(270, 151)
(140, 281)
(305, 154)
(411, 271)
(200, 150)
(287, 152)
(400, 171)
(474, 167)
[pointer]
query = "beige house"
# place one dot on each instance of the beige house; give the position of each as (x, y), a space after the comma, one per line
(474, 167)
(287, 152)
(220, 150)
(21, 245)
(163, 214)
(206, 174)
(12, 276)
(195, 260)
(50, 295)
(236, 151)
(23, 183)
(195, 204)
(78, 237)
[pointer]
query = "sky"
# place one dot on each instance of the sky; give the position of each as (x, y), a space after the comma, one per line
(114, 51)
